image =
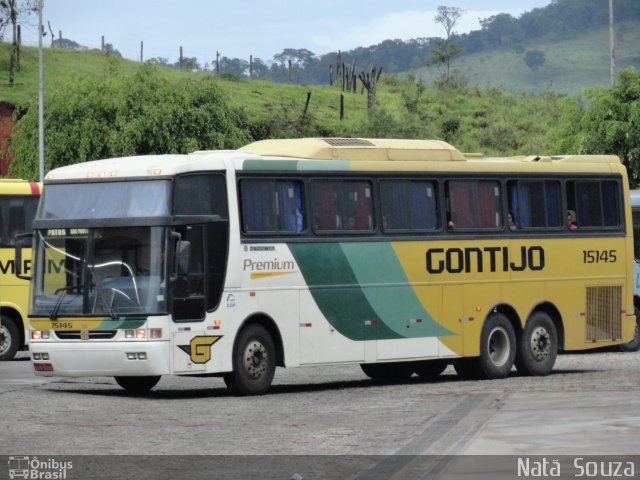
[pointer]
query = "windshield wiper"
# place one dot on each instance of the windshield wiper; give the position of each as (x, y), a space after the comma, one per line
(112, 313)
(56, 308)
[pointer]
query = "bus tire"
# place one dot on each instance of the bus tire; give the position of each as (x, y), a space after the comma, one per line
(633, 345)
(497, 351)
(497, 347)
(9, 338)
(137, 384)
(430, 369)
(254, 362)
(538, 347)
(388, 372)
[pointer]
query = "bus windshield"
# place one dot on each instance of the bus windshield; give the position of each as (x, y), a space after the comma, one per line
(144, 198)
(100, 272)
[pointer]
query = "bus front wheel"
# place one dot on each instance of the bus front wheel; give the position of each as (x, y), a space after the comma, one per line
(137, 384)
(254, 362)
(9, 338)
(538, 347)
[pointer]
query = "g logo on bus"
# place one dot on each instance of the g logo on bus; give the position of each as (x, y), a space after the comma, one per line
(84, 334)
(199, 348)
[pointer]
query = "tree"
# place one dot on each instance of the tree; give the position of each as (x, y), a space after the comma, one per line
(534, 59)
(370, 82)
(159, 61)
(10, 10)
(260, 69)
(71, 45)
(502, 29)
(446, 49)
(608, 124)
(443, 55)
(300, 57)
(145, 113)
(111, 50)
(188, 64)
(234, 66)
(448, 17)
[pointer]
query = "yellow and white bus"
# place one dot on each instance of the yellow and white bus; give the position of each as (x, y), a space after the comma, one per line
(18, 203)
(634, 345)
(403, 256)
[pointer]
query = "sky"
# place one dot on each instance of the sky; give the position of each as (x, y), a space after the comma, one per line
(262, 28)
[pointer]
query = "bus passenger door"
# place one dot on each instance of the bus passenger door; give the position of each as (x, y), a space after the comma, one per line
(188, 300)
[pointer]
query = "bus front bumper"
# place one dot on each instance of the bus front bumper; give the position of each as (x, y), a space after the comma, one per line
(98, 359)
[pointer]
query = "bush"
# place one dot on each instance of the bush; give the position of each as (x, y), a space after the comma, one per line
(123, 116)
(608, 124)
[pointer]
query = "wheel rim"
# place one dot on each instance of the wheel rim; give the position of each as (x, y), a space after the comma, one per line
(256, 359)
(5, 339)
(540, 343)
(499, 346)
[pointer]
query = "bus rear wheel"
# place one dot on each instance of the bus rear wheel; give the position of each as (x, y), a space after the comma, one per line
(633, 345)
(254, 362)
(538, 347)
(388, 372)
(9, 338)
(497, 351)
(137, 384)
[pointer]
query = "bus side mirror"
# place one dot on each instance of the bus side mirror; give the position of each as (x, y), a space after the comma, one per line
(181, 258)
(18, 242)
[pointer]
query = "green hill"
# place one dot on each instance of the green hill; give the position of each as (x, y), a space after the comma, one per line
(570, 65)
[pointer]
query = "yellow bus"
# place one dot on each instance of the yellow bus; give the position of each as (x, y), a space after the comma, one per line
(402, 256)
(18, 203)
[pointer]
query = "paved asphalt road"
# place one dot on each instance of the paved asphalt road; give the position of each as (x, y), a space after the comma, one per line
(589, 405)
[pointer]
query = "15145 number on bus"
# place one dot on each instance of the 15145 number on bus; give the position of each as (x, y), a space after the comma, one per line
(599, 256)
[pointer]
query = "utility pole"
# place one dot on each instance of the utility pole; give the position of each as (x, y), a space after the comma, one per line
(612, 45)
(40, 94)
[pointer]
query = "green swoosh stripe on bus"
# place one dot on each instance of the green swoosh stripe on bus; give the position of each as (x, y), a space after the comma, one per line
(344, 280)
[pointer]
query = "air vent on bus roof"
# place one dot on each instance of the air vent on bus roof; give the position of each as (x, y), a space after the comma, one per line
(348, 142)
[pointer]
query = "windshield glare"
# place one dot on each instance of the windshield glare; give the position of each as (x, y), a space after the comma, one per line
(104, 272)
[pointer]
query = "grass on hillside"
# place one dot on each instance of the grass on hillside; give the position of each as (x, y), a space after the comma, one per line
(260, 100)
(492, 121)
(570, 66)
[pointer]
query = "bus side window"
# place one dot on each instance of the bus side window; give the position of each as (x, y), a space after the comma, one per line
(342, 206)
(272, 206)
(409, 205)
(474, 204)
(595, 203)
(534, 203)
